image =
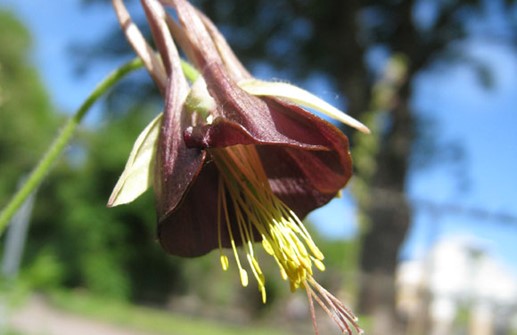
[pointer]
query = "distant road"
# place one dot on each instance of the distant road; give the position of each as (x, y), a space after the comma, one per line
(37, 317)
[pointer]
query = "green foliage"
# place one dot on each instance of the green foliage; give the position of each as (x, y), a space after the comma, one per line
(12, 332)
(44, 271)
(27, 125)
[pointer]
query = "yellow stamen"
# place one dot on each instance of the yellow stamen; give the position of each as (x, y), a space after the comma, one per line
(258, 212)
(222, 199)
(225, 263)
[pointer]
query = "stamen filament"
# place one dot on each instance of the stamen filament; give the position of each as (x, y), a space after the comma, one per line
(256, 211)
(336, 310)
(224, 259)
(243, 274)
(256, 208)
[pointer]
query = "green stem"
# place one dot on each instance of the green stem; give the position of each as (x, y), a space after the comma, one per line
(61, 141)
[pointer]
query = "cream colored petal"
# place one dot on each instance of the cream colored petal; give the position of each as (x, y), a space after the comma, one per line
(300, 97)
(137, 176)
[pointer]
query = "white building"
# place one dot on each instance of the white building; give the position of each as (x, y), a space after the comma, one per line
(458, 285)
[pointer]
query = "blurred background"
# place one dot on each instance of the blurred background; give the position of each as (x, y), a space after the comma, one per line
(423, 240)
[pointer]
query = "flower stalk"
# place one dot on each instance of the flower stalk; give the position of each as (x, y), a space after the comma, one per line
(58, 145)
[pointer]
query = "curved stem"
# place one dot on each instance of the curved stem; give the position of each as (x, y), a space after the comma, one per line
(56, 148)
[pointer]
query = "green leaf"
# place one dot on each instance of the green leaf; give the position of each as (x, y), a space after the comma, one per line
(138, 174)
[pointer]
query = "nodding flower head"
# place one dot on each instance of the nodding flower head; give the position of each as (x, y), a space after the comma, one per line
(234, 162)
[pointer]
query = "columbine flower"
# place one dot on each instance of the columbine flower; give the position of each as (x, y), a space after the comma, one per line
(233, 161)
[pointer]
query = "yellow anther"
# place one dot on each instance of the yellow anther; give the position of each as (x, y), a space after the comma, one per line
(299, 246)
(315, 251)
(244, 184)
(244, 277)
(283, 274)
(262, 290)
(267, 246)
(306, 263)
(319, 264)
(256, 270)
(224, 262)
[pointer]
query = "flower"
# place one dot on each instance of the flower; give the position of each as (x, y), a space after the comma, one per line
(233, 161)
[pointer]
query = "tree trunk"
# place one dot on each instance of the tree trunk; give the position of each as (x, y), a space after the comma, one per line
(388, 218)
(386, 207)
(352, 76)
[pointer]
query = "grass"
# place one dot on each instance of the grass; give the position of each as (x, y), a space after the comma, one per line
(11, 332)
(148, 319)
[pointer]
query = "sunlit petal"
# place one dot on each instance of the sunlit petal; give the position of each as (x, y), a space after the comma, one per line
(137, 176)
(301, 97)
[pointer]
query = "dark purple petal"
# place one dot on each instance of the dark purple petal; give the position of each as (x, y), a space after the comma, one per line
(267, 120)
(303, 179)
(307, 159)
(176, 165)
(161, 35)
(194, 38)
(327, 170)
(191, 229)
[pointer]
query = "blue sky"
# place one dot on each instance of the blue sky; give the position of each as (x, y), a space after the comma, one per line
(481, 120)
(55, 25)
